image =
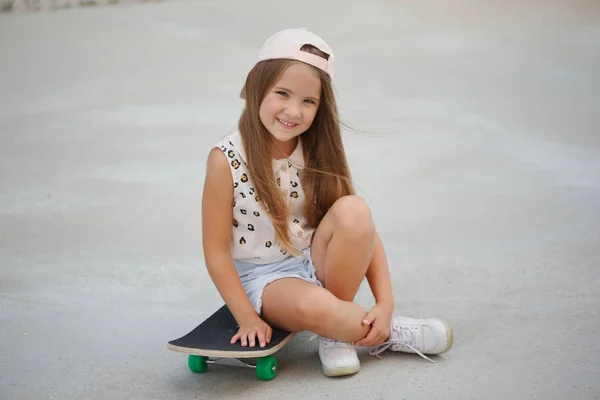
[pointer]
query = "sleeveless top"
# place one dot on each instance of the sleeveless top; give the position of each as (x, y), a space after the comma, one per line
(253, 238)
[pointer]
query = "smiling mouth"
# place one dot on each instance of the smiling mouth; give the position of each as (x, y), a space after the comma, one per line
(286, 124)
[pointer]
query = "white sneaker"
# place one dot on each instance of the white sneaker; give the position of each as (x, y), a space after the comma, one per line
(338, 358)
(420, 336)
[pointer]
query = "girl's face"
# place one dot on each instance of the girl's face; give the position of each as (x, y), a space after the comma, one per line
(290, 106)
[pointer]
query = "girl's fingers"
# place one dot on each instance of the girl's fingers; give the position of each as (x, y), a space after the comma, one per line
(373, 338)
(370, 339)
(364, 341)
(251, 338)
(269, 335)
(261, 338)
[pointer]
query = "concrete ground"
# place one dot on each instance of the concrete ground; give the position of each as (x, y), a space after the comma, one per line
(481, 165)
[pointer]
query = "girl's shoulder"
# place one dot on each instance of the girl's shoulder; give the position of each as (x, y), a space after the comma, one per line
(231, 146)
(232, 141)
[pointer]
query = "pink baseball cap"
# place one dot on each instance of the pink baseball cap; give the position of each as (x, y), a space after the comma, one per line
(286, 44)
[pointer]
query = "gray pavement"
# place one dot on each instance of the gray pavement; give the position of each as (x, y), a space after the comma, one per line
(482, 168)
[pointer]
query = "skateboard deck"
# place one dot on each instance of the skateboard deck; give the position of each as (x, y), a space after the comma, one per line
(210, 341)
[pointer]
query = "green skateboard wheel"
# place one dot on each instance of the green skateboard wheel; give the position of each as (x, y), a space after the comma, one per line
(266, 368)
(197, 364)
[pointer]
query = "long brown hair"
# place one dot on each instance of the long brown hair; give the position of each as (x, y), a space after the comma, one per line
(326, 175)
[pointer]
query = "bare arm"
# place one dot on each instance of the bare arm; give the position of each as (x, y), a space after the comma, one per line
(217, 218)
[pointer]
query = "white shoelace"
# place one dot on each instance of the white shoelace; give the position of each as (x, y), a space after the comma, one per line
(400, 336)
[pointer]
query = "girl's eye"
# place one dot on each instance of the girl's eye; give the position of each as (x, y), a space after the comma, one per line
(309, 101)
(284, 94)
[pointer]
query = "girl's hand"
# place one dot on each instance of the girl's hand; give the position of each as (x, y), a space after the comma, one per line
(251, 330)
(379, 318)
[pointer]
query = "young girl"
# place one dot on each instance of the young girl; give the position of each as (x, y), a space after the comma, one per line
(286, 241)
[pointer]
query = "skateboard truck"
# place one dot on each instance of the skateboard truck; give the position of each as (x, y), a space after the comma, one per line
(266, 367)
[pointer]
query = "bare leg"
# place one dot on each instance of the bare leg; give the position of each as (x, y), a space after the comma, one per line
(342, 249)
(296, 305)
(343, 246)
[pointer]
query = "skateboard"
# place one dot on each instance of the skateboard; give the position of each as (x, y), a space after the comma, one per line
(209, 343)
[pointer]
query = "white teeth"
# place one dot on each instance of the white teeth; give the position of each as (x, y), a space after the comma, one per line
(286, 123)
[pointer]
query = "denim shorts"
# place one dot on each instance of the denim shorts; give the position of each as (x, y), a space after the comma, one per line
(255, 277)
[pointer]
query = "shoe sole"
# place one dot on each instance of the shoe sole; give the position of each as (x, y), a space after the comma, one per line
(341, 371)
(449, 336)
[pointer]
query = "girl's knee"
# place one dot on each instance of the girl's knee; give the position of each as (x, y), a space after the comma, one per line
(353, 214)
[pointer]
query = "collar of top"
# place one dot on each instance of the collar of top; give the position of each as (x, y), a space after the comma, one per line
(296, 158)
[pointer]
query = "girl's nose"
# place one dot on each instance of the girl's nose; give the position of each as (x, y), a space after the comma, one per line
(293, 111)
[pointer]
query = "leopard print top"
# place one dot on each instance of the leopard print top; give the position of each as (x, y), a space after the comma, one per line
(253, 238)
